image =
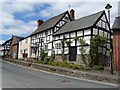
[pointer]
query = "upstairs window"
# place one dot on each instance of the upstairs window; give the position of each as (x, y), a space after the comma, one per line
(58, 46)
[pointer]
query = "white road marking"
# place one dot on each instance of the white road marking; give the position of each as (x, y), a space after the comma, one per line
(99, 82)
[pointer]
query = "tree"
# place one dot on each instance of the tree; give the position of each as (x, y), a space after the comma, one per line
(42, 54)
(91, 58)
(96, 41)
(68, 43)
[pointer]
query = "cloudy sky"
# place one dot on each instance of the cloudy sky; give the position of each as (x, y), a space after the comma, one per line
(19, 17)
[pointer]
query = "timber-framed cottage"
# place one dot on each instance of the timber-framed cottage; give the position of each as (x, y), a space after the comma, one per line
(49, 34)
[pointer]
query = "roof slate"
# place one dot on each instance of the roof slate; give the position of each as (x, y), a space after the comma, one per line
(116, 24)
(81, 23)
(49, 23)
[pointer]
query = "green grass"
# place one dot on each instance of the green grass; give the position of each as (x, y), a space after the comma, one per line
(62, 64)
(70, 65)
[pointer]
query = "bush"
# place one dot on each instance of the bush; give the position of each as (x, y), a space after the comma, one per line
(42, 54)
(97, 67)
(62, 64)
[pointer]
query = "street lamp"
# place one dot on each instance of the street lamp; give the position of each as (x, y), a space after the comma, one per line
(108, 8)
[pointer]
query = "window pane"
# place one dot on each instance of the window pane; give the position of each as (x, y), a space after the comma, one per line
(100, 32)
(87, 32)
(87, 39)
(80, 33)
(105, 34)
(95, 31)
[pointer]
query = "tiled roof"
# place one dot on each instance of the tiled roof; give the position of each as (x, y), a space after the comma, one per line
(116, 24)
(49, 23)
(81, 23)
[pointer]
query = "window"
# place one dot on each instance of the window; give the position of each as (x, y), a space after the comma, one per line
(105, 34)
(87, 39)
(80, 33)
(58, 46)
(87, 32)
(32, 50)
(100, 32)
(48, 38)
(95, 31)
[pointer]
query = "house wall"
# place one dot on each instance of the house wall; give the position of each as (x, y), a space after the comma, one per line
(101, 28)
(6, 48)
(45, 38)
(14, 51)
(24, 46)
(85, 34)
(116, 49)
(1, 52)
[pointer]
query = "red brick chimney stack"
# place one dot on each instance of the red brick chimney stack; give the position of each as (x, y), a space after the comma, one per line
(72, 14)
(39, 23)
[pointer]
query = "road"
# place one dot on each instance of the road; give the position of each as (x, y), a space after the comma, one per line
(15, 76)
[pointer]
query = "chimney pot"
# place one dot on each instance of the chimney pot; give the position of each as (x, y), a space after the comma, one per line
(39, 23)
(72, 14)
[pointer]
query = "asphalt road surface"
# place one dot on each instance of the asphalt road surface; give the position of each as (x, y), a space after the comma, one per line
(15, 76)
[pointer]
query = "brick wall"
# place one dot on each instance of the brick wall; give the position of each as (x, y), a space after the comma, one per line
(116, 49)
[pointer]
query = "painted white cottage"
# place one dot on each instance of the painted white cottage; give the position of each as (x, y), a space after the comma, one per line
(24, 47)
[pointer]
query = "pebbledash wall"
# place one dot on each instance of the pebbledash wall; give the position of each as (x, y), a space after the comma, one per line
(24, 47)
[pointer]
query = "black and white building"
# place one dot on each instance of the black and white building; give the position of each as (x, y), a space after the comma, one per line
(6, 48)
(42, 37)
(49, 34)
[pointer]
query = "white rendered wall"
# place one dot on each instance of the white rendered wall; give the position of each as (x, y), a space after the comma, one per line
(23, 45)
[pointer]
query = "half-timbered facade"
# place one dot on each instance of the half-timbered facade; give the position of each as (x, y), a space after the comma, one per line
(42, 37)
(1, 53)
(10, 47)
(86, 28)
(6, 48)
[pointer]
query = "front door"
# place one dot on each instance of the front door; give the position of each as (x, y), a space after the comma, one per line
(72, 53)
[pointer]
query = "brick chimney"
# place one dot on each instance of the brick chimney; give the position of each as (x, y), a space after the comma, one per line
(72, 14)
(39, 23)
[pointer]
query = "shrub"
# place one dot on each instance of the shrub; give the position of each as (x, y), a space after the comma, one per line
(42, 54)
(98, 67)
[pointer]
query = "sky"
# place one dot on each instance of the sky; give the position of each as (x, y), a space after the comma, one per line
(19, 17)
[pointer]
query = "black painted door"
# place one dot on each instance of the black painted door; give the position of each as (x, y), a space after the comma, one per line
(72, 53)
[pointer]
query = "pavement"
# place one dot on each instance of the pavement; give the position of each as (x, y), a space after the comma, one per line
(16, 76)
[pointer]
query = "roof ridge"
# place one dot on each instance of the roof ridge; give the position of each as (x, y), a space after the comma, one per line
(57, 15)
(49, 23)
(84, 22)
(91, 14)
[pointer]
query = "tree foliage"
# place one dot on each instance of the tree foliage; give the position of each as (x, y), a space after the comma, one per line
(42, 54)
